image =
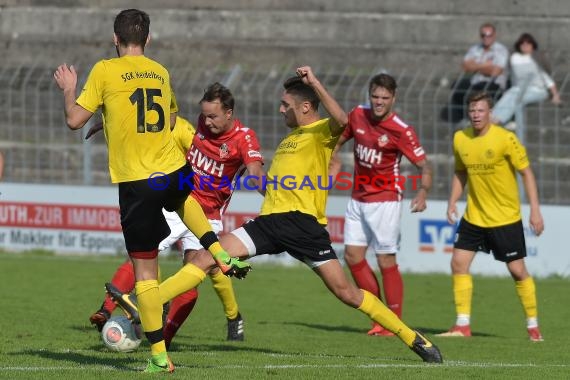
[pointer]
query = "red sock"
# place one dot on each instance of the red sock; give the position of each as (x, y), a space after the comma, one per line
(124, 280)
(180, 309)
(365, 278)
(393, 289)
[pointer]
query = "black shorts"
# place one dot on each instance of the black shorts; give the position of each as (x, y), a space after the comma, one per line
(141, 203)
(297, 233)
(506, 242)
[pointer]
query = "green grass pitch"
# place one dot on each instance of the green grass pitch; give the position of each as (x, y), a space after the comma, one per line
(295, 329)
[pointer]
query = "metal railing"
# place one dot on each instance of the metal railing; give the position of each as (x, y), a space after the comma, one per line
(38, 148)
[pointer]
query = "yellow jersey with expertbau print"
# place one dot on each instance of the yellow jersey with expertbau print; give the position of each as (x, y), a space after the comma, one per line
(298, 177)
(183, 134)
(490, 162)
(137, 100)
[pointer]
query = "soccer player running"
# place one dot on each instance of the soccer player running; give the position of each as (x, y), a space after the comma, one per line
(292, 218)
(486, 157)
(373, 213)
(138, 108)
(219, 152)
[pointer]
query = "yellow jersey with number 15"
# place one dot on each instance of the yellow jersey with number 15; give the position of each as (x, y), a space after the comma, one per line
(137, 100)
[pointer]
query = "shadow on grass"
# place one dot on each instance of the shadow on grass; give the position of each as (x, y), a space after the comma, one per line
(180, 347)
(422, 330)
(432, 331)
(328, 327)
(84, 328)
(239, 348)
(120, 363)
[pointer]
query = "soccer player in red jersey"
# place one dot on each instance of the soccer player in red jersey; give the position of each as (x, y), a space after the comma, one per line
(374, 210)
(221, 150)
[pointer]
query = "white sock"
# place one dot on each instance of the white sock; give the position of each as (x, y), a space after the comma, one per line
(531, 323)
(463, 320)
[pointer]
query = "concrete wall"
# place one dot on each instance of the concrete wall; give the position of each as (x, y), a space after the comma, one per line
(509, 8)
(432, 32)
(422, 43)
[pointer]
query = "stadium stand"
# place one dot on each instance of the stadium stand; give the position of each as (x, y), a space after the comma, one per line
(252, 46)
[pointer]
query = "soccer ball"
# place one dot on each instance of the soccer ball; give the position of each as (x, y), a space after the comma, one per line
(119, 334)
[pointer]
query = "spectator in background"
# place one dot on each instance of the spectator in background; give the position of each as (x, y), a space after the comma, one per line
(532, 83)
(484, 67)
(1, 165)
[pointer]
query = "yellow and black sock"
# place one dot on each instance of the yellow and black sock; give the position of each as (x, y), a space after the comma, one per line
(150, 309)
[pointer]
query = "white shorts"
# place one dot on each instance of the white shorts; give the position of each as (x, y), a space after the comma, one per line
(179, 231)
(375, 224)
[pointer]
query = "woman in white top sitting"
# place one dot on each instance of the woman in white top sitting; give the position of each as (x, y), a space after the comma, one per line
(531, 83)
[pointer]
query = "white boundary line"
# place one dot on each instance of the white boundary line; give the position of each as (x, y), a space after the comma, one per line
(445, 364)
(453, 364)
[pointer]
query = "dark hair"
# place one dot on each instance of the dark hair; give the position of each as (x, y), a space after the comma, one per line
(131, 27)
(302, 91)
(525, 37)
(479, 96)
(383, 80)
(217, 91)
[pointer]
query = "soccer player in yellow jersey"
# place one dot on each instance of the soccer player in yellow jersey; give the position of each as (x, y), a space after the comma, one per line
(293, 217)
(486, 157)
(138, 108)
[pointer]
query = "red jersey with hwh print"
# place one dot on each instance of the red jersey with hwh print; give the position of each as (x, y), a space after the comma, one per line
(378, 149)
(217, 160)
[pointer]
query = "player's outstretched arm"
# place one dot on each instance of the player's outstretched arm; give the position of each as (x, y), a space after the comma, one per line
(256, 173)
(335, 165)
(338, 115)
